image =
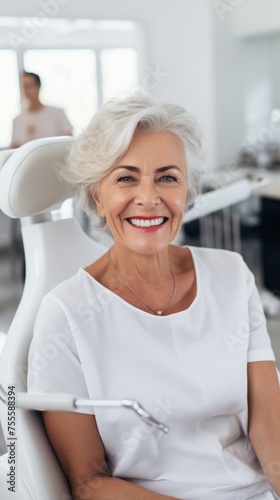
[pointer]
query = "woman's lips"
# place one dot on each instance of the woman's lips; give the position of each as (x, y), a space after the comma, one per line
(147, 223)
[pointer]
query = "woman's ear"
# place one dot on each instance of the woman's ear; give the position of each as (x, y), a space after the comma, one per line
(95, 193)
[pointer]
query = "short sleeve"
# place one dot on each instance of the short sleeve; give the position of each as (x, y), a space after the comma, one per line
(63, 124)
(259, 348)
(53, 363)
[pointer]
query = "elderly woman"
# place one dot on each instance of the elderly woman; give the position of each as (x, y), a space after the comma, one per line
(180, 329)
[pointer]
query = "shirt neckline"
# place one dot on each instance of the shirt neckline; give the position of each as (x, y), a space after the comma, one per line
(140, 311)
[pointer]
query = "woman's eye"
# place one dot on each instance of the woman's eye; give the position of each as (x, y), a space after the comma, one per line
(126, 178)
(168, 178)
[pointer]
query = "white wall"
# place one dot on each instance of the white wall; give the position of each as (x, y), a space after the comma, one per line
(274, 51)
(179, 41)
(247, 71)
(259, 83)
(256, 17)
(229, 90)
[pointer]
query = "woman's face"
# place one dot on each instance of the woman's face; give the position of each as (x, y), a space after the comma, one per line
(144, 195)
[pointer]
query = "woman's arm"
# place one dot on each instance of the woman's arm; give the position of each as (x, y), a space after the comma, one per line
(264, 418)
(78, 446)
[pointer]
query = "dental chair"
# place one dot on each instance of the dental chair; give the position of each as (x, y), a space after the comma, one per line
(31, 190)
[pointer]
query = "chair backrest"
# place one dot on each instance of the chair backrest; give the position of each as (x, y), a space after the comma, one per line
(54, 250)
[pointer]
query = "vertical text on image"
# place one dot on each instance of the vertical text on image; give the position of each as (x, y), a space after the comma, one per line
(11, 438)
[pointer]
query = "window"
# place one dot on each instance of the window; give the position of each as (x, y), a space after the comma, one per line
(68, 81)
(119, 71)
(9, 95)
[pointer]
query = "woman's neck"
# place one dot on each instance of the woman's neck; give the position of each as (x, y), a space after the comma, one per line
(151, 268)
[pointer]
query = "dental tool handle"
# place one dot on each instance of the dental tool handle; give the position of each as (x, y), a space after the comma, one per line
(59, 402)
(45, 402)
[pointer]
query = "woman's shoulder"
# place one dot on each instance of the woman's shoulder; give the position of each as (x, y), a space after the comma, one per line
(217, 260)
(73, 287)
(187, 255)
(215, 253)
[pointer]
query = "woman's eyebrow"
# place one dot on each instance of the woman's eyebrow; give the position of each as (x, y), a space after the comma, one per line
(137, 169)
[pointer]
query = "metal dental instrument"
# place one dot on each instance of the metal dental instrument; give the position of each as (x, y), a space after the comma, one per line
(67, 402)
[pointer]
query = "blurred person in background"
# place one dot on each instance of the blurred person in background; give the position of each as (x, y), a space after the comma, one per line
(37, 120)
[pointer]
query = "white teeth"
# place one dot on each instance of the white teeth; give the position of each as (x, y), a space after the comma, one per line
(146, 222)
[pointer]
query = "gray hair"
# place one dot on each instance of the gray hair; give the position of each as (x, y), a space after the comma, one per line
(110, 132)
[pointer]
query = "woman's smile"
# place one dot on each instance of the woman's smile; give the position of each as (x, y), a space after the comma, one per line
(147, 223)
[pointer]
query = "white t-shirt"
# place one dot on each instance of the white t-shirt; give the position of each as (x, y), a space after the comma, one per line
(47, 121)
(188, 369)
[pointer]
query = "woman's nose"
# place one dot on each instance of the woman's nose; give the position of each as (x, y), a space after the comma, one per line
(147, 193)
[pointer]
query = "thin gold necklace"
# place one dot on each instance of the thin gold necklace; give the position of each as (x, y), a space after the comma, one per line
(161, 311)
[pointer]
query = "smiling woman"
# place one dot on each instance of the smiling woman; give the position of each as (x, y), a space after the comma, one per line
(180, 329)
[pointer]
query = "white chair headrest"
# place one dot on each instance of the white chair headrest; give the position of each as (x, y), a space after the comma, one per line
(29, 179)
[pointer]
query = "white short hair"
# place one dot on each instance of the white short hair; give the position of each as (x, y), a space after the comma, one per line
(110, 132)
